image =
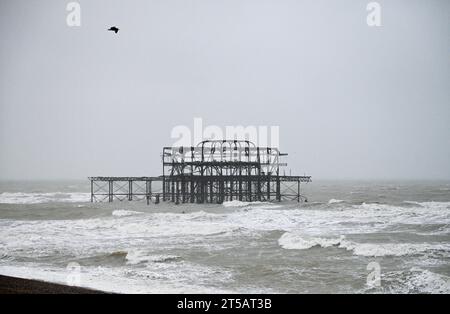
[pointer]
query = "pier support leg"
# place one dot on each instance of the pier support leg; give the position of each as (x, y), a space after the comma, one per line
(221, 192)
(148, 191)
(192, 191)
(249, 190)
(92, 191)
(259, 188)
(240, 185)
(172, 190)
(231, 190)
(183, 190)
(177, 201)
(130, 190)
(110, 190)
(278, 189)
(164, 189)
(211, 191)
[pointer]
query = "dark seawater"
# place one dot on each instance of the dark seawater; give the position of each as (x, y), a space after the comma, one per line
(332, 244)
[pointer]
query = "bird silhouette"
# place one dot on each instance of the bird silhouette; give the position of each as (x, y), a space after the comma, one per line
(114, 29)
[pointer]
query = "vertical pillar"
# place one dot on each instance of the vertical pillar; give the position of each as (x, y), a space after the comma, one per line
(164, 188)
(92, 190)
(204, 190)
(147, 193)
(240, 183)
(221, 191)
(150, 189)
(249, 189)
(172, 189)
(192, 191)
(130, 190)
(211, 190)
(231, 189)
(183, 190)
(177, 201)
(259, 187)
(206, 196)
(278, 189)
(110, 190)
(202, 182)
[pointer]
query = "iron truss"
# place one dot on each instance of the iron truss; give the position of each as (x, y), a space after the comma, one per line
(211, 172)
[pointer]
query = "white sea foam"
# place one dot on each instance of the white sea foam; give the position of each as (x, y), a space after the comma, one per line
(162, 278)
(295, 241)
(45, 236)
(84, 236)
(124, 212)
(236, 203)
(130, 231)
(416, 280)
(139, 256)
(393, 249)
(428, 282)
(298, 241)
(431, 204)
(37, 198)
(252, 205)
(334, 201)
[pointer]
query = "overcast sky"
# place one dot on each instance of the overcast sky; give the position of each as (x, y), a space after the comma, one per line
(351, 101)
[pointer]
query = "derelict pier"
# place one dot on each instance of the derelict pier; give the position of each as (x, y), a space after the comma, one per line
(211, 172)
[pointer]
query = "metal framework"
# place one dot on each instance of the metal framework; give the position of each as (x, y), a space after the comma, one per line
(211, 172)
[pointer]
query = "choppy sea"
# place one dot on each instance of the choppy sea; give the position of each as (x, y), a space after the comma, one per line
(351, 237)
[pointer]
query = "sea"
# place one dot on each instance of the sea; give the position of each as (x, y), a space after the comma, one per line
(350, 237)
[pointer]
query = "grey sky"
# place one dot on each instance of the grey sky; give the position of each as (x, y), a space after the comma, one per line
(351, 101)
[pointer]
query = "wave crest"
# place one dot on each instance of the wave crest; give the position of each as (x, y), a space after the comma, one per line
(297, 241)
(135, 257)
(334, 201)
(124, 212)
(38, 198)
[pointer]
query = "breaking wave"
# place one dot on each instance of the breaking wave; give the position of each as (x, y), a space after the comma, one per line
(394, 249)
(415, 280)
(157, 278)
(320, 227)
(334, 201)
(236, 203)
(124, 213)
(296, 241)
(137, 256)
(132, 234)
(38, 198)
(293, 241)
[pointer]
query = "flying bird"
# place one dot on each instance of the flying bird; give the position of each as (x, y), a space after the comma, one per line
(114, 29)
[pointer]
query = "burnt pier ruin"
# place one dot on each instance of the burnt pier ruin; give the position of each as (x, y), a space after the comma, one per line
(214, 171)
